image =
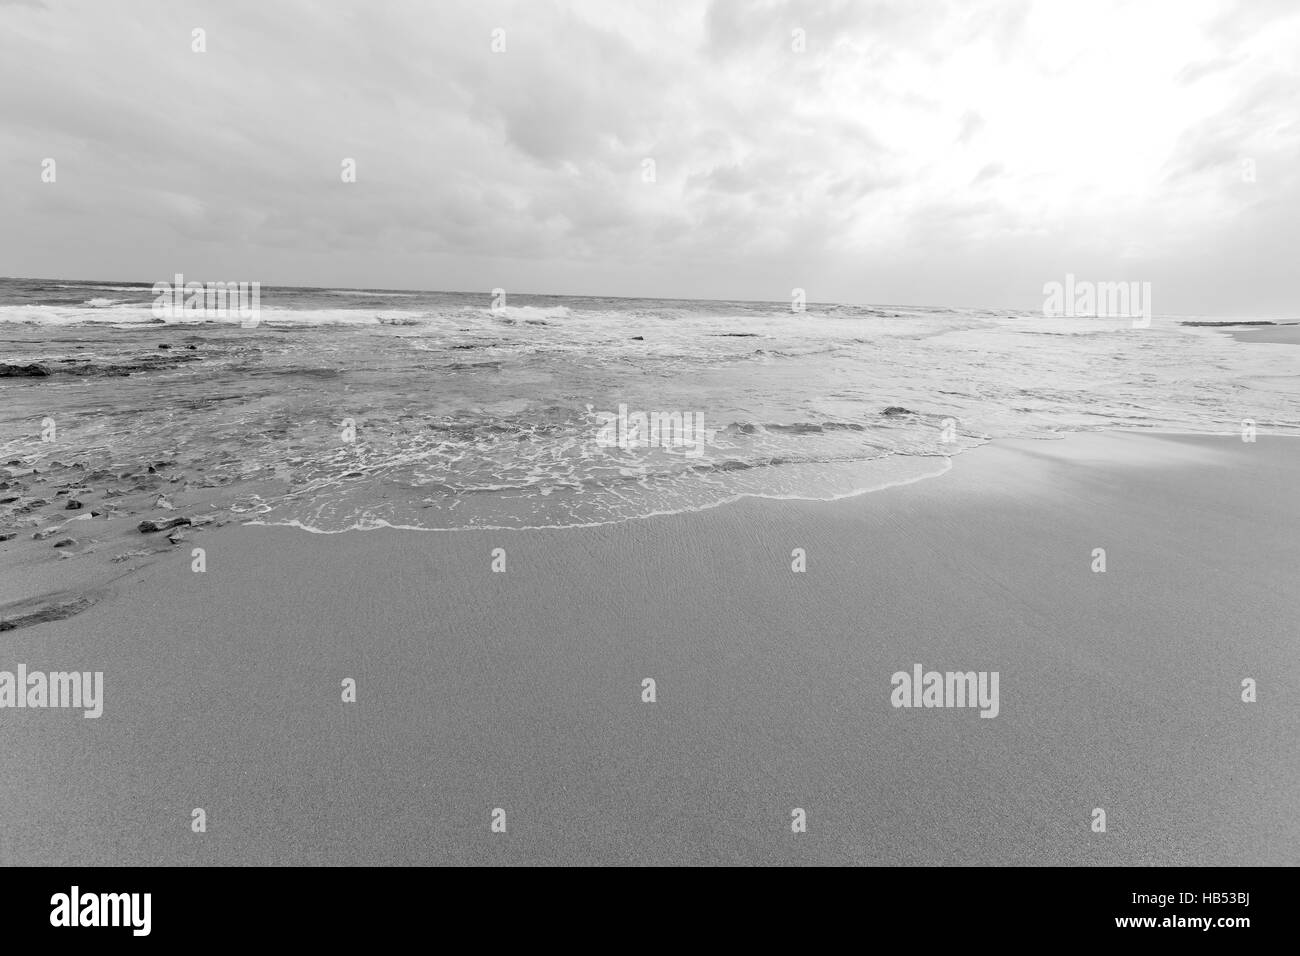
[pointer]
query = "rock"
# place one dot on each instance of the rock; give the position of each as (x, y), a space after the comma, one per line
(148, 526)
(23, 371)
(176, 537)
(164, 346)
(638, 338)
(163, 503)
(44, 533)
(895, 410)
(66, 543)
(48, 607)
(5, 536)
(198, 521)
(191, 347)
(72, 505)
(96, 514)
(128, 555)
(9, 499)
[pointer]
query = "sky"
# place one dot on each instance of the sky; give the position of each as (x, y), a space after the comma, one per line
(907, 152)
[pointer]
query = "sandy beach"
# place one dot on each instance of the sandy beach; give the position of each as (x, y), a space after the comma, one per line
(1119, 690)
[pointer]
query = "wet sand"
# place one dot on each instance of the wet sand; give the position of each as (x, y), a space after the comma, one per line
(1273, 334)
(522, 690)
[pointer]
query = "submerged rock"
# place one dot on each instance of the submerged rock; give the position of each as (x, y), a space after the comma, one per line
(23, 371)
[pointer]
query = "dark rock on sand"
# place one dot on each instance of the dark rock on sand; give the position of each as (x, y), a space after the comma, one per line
(66, 543)
(47, 607)
(72, 505)
(895, 410)
(5, 536)
(149, 526)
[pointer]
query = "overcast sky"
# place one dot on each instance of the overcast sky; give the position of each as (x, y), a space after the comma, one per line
(913, 152)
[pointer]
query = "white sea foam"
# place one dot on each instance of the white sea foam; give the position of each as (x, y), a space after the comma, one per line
(523, 313)
(101, 311)
(364, 294)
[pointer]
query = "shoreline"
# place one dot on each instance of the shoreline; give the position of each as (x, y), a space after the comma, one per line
(522, 690)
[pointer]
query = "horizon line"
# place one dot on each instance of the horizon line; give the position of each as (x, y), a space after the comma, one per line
(572, 295)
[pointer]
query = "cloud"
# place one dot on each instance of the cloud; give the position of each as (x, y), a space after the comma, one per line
(887, 150)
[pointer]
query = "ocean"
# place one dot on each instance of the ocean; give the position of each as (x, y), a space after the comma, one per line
(347, 409)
